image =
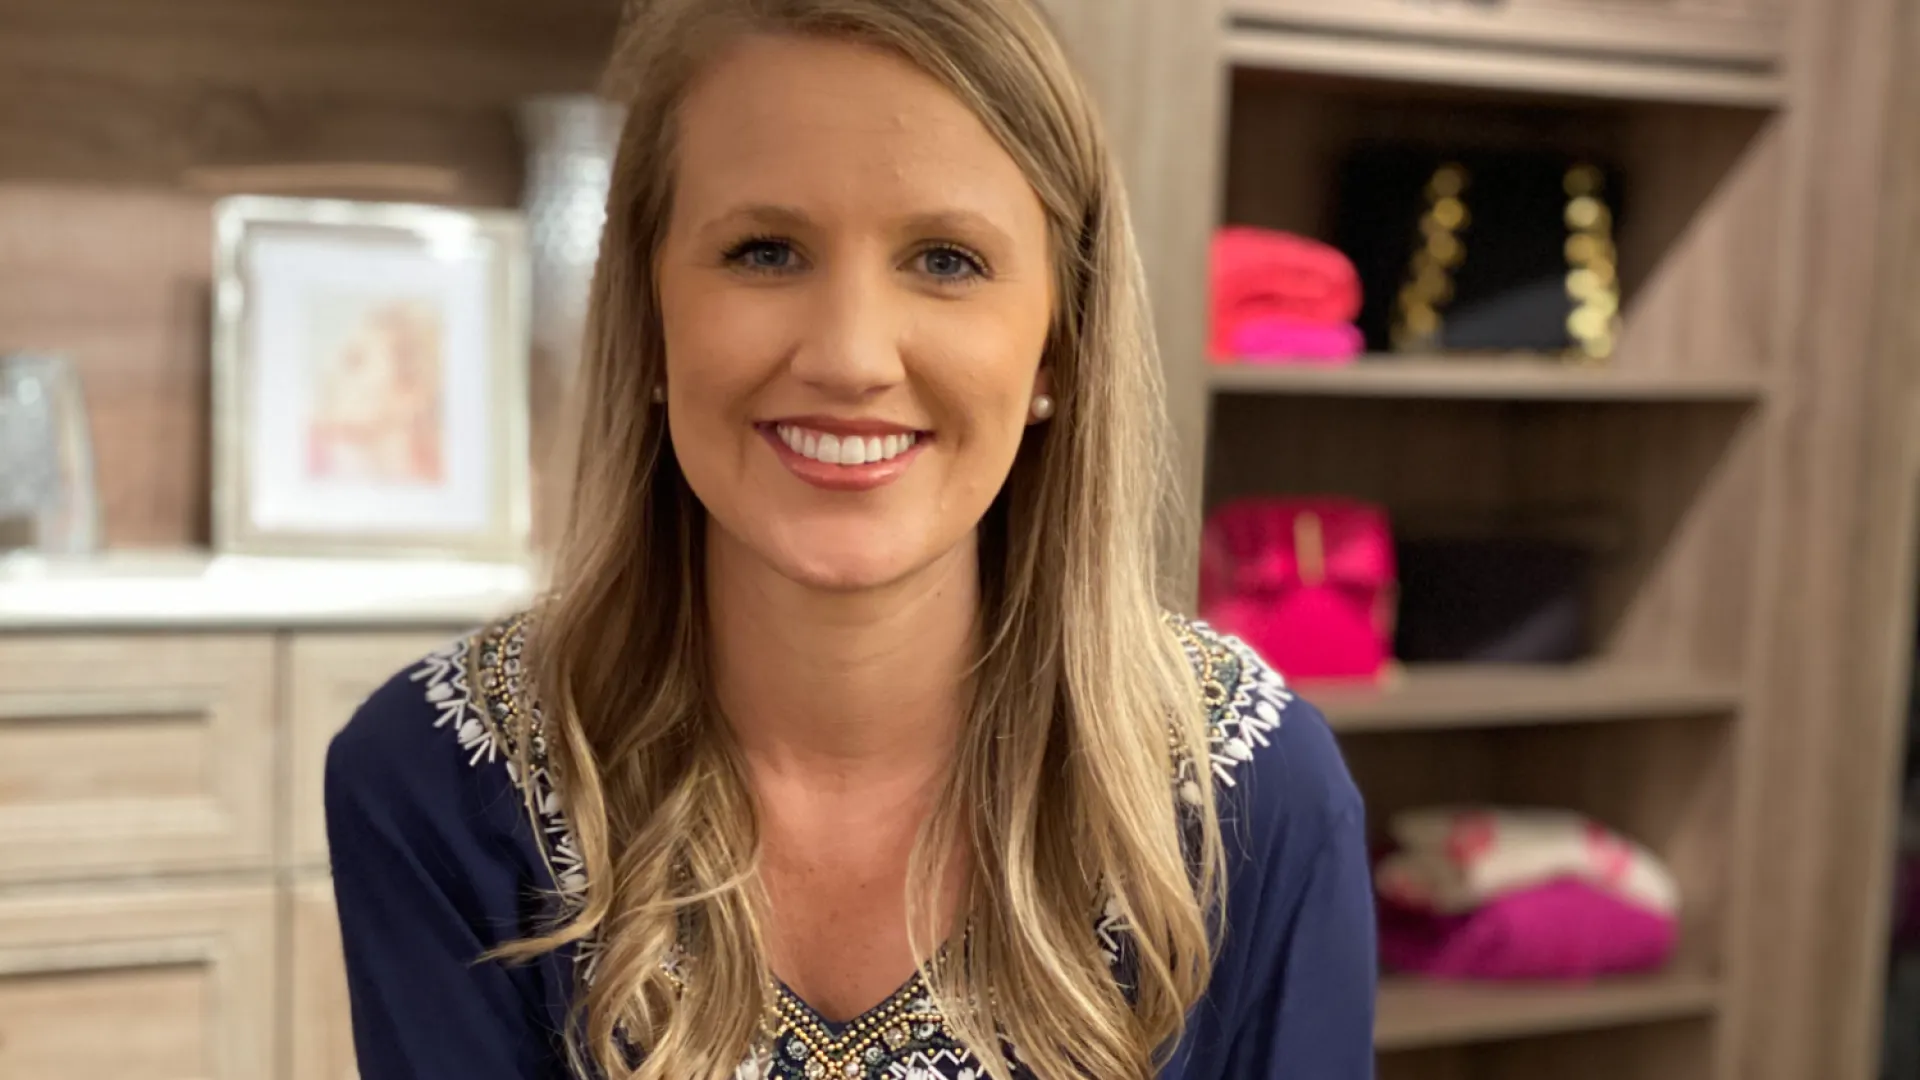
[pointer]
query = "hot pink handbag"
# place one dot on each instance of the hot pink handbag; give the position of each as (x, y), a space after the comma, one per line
(1309, 583)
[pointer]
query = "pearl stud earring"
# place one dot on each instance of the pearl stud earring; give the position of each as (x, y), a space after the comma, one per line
(1042, 407)
(659, 395)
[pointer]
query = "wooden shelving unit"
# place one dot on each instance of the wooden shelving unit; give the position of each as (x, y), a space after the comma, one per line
(1486, 378)
(1418, 1015)
(1645, 734)
(1462, 697)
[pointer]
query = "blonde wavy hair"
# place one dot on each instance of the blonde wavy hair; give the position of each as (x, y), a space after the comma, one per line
(1061, 795)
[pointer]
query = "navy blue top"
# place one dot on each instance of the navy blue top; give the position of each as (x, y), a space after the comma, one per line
(437, 859)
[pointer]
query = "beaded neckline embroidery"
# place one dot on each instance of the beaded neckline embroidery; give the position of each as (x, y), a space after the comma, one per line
(478, 687)
(906, 1024)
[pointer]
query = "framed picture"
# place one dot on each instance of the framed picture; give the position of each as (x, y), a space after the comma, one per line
(370, 380)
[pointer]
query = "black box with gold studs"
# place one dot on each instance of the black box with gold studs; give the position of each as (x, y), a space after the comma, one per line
(1482, 250)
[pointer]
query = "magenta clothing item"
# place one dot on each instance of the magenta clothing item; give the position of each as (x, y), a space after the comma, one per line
(1261, 273)
(1308, 582)
(1277, 338)
(1563, 930)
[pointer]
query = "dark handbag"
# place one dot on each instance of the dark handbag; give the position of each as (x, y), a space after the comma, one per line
(1493, 600)
(1482, 250)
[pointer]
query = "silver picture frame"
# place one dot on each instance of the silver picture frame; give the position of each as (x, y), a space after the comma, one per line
(370, 380)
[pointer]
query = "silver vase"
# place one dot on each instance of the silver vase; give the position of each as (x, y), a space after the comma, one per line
(570, 143)
(48, 499)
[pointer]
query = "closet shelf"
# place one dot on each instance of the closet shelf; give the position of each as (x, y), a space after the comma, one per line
(1415, 1014)
(1484, 378)
(1749, 34)
(1448, 696)
(1416, 55)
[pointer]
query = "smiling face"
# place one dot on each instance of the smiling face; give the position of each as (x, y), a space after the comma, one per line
(856, 290)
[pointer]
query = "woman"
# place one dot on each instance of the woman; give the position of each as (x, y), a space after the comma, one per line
(851, 741)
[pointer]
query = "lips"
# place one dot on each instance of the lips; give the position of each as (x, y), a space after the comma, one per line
(845, 455)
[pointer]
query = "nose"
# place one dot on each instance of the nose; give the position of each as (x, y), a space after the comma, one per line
(849, 348)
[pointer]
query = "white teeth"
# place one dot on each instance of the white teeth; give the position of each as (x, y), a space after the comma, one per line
(849, 450)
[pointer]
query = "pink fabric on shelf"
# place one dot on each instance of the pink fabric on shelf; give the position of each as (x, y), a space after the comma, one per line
(1261, 273)
(1454, 859)
(1562, 930)
(1307, 582)
(1278, 339)
(1312, 634)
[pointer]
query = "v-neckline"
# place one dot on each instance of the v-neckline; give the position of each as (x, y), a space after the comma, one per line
(798, 1012)
(804, 1012)
(905, 1015)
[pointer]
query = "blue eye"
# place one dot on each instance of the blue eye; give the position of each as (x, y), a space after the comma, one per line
(951, 264)
(763, 255)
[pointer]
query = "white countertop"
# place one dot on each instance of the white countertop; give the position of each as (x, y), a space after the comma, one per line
(139, 591)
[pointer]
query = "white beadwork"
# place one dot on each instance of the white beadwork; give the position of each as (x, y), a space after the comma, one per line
(1111, 927)
(444, 671)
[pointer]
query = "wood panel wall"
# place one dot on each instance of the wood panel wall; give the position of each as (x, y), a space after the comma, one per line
(1836, 540)
(1861, 731)
(130, 92)
(121, 119)
(1154, 67)
(1869, 756)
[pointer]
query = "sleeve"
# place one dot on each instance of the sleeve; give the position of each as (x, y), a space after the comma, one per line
(426, 883)
(1294, 983)
(1318, 1019)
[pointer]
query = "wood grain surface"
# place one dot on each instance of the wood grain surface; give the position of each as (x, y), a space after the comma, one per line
(121, 121)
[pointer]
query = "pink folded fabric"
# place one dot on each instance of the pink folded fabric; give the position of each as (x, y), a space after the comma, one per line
(1307, 582)
(1455, 859)
(1279, 339)
(1564, 930)
(1261, 273)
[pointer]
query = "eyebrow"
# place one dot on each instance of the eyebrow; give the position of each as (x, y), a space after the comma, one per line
(954, 221)
(936, 222)
(771, 215)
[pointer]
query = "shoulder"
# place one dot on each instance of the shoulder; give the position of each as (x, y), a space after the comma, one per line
(424, 760)
(1279, 777)
(1293, 980)
(419, 715)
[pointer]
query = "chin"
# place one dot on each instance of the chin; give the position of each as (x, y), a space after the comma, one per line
(845, 554)
(847, 568)
(838, 545)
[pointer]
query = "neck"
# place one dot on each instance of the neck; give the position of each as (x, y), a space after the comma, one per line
(842, 685)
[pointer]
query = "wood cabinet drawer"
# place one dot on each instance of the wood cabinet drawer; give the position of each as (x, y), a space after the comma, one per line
(321, 1031)
(329, 675)
(173, 984)
(135, 754)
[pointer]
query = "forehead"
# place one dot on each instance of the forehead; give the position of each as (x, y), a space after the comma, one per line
(837, 125)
